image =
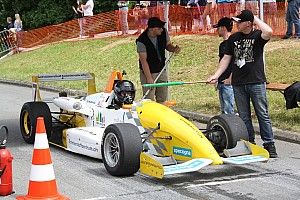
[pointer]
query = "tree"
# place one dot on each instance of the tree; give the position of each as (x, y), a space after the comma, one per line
(39, 13)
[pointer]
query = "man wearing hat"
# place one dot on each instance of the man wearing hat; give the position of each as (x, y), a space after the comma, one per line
(226, 96)
(246, 49)
(151, 46)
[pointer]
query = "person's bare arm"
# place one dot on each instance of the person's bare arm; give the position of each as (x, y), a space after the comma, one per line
(145, 67)
(74, 9)
(223, 64)
(267, 31)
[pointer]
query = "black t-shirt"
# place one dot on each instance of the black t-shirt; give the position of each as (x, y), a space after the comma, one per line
(248, 57)
(76, 6)
(9, 25)
(227, 72)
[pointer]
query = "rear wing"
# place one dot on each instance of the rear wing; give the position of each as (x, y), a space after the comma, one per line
(37, 79)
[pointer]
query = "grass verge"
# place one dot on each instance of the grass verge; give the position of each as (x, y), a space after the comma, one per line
(197, 61)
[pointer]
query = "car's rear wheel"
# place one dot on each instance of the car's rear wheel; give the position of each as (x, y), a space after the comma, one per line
(29, 113)
(225, 130)
(121, 147)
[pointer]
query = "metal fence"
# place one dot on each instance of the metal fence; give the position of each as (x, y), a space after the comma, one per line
(7, 42)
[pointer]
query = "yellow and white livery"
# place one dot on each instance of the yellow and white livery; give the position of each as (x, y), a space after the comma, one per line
(144, 136)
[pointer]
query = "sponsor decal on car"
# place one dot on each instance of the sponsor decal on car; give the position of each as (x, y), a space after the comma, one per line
(182, 151)
(100, 119)
(151, 164)
(83, 146)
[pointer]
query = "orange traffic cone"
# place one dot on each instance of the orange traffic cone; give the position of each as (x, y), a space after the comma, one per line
(42, 183)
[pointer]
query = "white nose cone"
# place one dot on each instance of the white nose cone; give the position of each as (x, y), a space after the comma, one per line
(73, 105)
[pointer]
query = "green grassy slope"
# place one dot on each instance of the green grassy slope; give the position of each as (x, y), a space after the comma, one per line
(197, 60)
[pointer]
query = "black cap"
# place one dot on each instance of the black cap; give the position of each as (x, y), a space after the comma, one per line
(155, 22)
(225, 21)
(246, 15)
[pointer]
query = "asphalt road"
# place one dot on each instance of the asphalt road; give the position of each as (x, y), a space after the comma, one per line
(80, 177)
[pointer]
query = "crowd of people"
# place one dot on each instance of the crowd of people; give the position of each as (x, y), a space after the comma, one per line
(240, 76)
(83, 12)
(12, 35)
(197, 16)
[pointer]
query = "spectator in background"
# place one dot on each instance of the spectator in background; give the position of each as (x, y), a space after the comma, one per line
(240, 5)
(77, 7)
(226, 96)
(208, 15)
(252, 5)
(198, 10)
(88, 13)
(123, 13)
(8, 35)
(137, 18)
(186, 16)
(151, 46)
(161, 12)
(144, 15)
(226, 8)
(18, 26)
(270, 12)
(152, 8)
(10, 23)
(292, 17)
(246, 48)
(18, 23)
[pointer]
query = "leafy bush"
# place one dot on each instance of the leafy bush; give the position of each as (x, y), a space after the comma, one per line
(35, 14)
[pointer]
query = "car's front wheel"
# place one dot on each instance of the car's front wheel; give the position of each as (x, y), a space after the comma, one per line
(225, 130)
(121, 147)
(29, 113)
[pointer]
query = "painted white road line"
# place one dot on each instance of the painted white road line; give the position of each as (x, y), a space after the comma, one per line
(97, 198)
(220, 182)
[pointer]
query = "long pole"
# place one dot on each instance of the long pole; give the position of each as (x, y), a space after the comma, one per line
(164, 68)
(172, 83)
(166, 19)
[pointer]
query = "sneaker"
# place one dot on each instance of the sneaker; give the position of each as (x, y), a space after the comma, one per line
(286, 37)
(270, 147)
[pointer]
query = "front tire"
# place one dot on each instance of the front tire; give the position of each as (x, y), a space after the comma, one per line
(226, 129)
(29, 113)
(121, 147)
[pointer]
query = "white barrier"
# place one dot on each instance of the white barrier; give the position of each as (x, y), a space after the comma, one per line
(7, 42)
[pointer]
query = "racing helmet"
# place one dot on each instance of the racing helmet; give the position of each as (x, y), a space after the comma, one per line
(124, 92)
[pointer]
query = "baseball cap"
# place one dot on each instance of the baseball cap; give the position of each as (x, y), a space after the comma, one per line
(246, 15)
(155, 22)
(225, 21)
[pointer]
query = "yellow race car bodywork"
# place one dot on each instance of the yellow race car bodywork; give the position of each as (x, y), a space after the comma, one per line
(186, 140)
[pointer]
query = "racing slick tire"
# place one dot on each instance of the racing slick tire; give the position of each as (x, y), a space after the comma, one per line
(226, 130)
(120, 148)
(29, 113)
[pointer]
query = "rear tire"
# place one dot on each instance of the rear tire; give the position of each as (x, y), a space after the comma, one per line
(228, 128)
(121, 147)
(28, 116)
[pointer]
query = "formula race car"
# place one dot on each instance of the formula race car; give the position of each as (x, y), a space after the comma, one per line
(133, 135)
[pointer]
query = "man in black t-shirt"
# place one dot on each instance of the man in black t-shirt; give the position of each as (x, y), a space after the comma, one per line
(246, 49)
(226, 96)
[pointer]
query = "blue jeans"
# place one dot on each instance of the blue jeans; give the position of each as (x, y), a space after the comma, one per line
(257, 94)
(292, 17)
(226, 97)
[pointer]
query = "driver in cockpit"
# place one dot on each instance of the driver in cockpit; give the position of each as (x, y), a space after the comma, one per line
(124, 93)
